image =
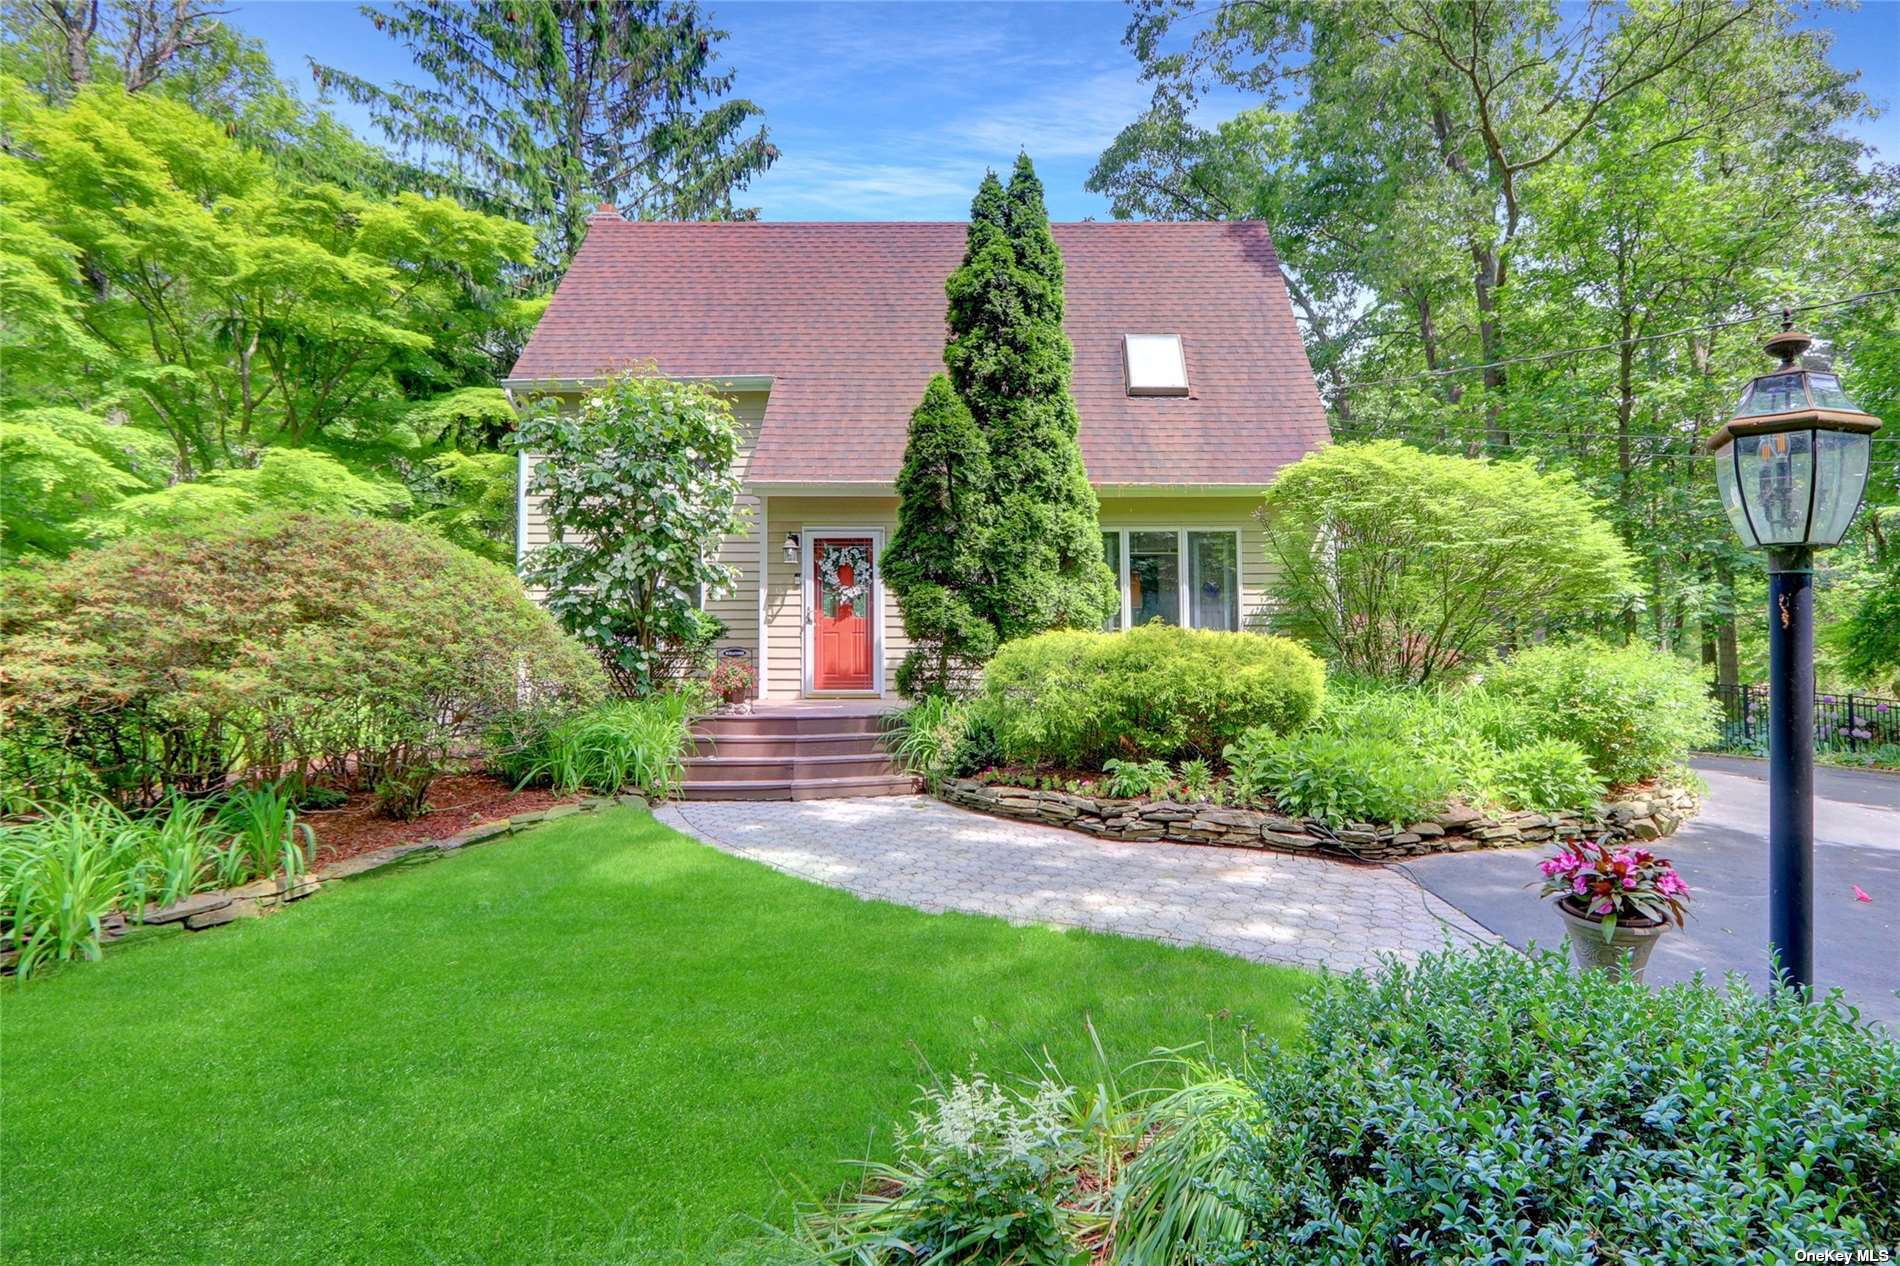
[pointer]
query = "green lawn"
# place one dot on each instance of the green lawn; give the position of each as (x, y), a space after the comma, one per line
(599, 1042)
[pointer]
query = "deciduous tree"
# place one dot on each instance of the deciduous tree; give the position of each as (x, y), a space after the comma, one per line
(640, 485)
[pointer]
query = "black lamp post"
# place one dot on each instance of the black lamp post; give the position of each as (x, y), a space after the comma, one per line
(1791, 466)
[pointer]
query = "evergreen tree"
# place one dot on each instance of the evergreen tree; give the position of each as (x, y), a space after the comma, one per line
(936, 558)
(1010, 363)
(541, 108)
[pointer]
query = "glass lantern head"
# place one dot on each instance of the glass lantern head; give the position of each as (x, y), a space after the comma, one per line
(1792, 463)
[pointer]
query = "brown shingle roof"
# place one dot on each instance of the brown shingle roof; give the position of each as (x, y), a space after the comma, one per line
(848, 321)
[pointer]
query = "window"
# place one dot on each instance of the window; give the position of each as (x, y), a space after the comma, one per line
(1155, 363)
(1213, 580)
(1164, 572)
(1154, 577)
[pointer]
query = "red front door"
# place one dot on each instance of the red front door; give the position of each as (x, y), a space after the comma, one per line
(841, 614)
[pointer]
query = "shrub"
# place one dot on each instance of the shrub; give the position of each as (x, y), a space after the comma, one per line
(624, 745)
(1544, 775)
(282, 644)
(1076, 698)
(1634, 711)
(1493, 1107)
(1336, 779)
(640, 485)
(1407, 565)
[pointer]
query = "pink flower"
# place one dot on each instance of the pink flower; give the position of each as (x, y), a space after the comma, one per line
(1629, 881)
(1580, 885)
(1860, 894)
(1605, 906)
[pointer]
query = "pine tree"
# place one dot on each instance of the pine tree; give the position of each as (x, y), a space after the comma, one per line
(935, 560)
(541, 108)
(1010, 363)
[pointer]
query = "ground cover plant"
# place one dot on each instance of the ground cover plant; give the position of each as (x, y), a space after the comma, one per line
(598, 1041)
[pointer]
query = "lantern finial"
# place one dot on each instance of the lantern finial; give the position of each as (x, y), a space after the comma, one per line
(1788, 343)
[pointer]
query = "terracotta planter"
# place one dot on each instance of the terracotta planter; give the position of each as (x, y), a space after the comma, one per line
(735, 694)
(1596, 954)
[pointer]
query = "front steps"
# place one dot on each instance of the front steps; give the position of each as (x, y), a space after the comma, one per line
(795, 752)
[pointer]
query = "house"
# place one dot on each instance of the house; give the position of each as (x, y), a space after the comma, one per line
(1190, 379)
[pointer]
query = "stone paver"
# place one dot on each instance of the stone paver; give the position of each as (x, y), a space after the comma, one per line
(1269, 907)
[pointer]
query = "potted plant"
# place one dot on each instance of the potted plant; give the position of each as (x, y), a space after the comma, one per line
(732, 680)
(1615, 900)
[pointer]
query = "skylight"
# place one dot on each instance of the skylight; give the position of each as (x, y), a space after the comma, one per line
(1156, 365)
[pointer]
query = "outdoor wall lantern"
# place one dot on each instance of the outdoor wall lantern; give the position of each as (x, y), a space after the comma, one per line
(791, 548)
(1790, 467)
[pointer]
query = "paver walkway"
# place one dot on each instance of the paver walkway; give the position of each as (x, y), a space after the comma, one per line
(920, 852)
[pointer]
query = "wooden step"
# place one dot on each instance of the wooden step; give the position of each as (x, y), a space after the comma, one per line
(798, 788)
(758, 745)
(800, 764)
(763, 724)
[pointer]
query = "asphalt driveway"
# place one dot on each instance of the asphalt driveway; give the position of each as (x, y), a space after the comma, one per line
(1723, 855)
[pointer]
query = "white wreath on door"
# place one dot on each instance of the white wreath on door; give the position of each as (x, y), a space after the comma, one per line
(832, 562)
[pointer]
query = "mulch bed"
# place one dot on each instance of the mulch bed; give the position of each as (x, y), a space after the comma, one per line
(457, 802)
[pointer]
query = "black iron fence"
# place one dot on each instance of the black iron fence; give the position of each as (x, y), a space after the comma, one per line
(1851, 723)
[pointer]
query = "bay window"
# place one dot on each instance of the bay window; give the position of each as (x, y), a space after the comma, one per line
(1167, 574)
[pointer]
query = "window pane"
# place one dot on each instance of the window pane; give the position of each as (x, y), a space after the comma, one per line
(1213, 581)
(1112, 555)
(1154, 577)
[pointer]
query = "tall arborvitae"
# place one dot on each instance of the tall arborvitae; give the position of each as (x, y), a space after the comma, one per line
(1010, 363)
(935, 561)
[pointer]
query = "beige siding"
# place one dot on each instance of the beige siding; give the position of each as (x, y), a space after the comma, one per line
(784, 600)
(782, 656)
(739, 609)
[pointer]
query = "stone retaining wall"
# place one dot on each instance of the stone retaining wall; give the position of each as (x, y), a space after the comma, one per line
(1649, 816)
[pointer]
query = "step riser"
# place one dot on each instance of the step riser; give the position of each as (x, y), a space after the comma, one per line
(796, 788)
(762, 746)
(872, 766)
(815, 791)
(768, 725)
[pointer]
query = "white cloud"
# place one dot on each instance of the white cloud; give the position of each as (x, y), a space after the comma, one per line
(1076, 119)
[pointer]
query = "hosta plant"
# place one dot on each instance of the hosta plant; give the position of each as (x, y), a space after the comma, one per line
(1130, 778)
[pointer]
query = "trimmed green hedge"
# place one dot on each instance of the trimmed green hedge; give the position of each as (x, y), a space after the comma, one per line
(1488, 1107)
(1075, 699)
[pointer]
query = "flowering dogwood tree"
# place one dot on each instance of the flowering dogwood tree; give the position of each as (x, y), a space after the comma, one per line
(639, 483)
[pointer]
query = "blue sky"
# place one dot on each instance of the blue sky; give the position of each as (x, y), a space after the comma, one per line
(892, 111)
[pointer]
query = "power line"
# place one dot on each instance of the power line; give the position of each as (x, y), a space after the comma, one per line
(1399, 430)
(1540, 357)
